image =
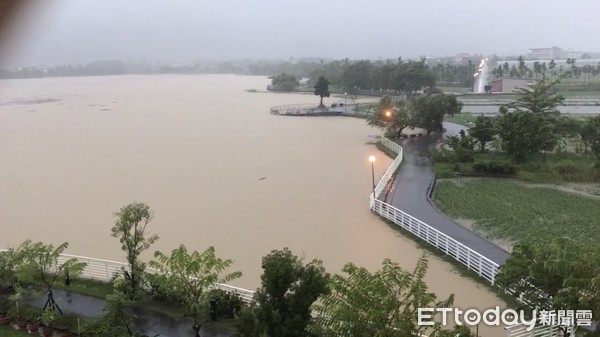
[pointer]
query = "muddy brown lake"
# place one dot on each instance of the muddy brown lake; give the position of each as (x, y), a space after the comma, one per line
(214, 165)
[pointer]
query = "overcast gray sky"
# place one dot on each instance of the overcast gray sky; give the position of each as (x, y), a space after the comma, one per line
(80, 31)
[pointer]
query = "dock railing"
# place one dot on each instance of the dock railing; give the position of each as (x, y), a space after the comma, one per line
(107, 270)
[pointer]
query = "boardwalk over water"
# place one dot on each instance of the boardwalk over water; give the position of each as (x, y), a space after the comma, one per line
(312, 110)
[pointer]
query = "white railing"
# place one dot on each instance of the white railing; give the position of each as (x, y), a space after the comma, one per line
(474, 261)
(538, 331)
(389, 173)
(106, 271)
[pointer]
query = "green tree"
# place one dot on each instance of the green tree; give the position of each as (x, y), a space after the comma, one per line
(463, 147)
(483, 131)
(10, 260)
(116, 320)
(531, 124)
(381, 117)
(282, 305)
(523, 133)
(411, 76)
(392, 118)
(10, 287)
(540, 98)
(286, 82)
(429, 111)
(130, 229)
(190, 275)
(322, 89)
(563, 274)
(358, 75)
(384, 303)
(40, 265)
(590, 135)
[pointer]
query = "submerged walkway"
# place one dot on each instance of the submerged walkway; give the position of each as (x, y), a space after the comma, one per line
(147, 322)
(410, 188)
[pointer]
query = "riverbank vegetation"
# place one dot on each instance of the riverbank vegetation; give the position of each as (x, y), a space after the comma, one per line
(559, 273)
(528, 140)
(508, 211)
(183, 284)
(454, 76)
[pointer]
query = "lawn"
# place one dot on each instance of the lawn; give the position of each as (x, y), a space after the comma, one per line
(466, 119)
(548, 168)
(7, 331)
(508, 211)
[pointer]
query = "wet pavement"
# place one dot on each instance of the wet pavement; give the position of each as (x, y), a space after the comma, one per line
(147, 322)
(409, 193)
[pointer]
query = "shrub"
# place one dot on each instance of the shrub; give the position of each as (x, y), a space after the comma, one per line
(443, 156)
(464, 155)
(495, 167)
(567, 168)
(156, 287)
(229, 304)
(533, 166)
(443, 171)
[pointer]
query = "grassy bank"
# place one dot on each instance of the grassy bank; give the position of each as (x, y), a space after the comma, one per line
(508, 211)
(466, 119)
(549, 168)
(7, 331)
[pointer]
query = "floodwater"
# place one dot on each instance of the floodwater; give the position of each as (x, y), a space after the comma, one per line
(213, 164)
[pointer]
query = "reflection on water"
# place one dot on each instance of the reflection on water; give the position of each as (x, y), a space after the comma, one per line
(213, 164)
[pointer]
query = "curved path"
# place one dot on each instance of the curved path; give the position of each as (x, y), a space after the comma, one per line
(410, 188)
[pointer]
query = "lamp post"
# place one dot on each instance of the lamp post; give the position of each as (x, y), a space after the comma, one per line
(372, 160)
(345, 97)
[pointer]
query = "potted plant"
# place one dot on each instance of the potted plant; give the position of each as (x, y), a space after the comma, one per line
(33, 327)
(19, 317)
(5, 318)
(61, 325)
(48, 317)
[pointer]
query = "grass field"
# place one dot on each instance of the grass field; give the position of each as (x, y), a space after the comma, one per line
(509, 211)
(7, 331)
(548, 168)
(466, 119)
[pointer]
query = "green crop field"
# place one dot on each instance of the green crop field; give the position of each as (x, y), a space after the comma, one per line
(508, 211)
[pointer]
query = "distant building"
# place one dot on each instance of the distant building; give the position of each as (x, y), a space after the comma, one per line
(508, 85)
(546, 53)
(574, 54)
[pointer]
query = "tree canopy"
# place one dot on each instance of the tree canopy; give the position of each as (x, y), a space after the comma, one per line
(130, 229)
(539, 98)
(190, 275)
(322, 89)
(483, 131)
(428, 111)
(384, 303)
(282, 305)
(285, 82)
(560, 275)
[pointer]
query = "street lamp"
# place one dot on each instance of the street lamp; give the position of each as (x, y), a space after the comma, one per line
(372, 160)
(345, 100)
(388, 114)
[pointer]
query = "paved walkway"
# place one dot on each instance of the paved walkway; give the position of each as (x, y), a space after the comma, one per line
(147, 322)
(408, 192)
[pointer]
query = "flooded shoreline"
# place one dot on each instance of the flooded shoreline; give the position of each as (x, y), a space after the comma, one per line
(195, 149)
